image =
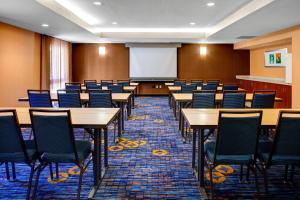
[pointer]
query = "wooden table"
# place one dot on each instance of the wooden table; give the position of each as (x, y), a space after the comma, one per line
(182, 98)
(120, 98)
(172, 84)
(97, 119)
(178, 89)
(200, 119)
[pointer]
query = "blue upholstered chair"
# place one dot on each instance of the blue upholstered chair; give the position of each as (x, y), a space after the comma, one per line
(89, 81)
(203, 99)
(69, 98)
(263, 99)
(284, 149)
(93, 86)
(198, 83)
(55, 142)
(230, 87)
(210, 86)
(39, 98)
(123, 82)
(213, 81)
(106, 83)
(233, 100)
(188, 88)
(12, 146)
(100, 99)
(73, 86)
(116, 88)
(236, 142)
(179, 82)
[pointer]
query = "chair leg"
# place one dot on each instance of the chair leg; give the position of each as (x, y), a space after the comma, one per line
(13, 167)
(30, 135)
(211, 183)
(51, 171)
(7, 171)
(241, 173)
(80, 182)
(255, 176)
(30, 182)
(57, 170)
(265, 173)
(39, 170)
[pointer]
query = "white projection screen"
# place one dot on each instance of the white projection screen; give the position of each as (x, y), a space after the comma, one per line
(153, 63)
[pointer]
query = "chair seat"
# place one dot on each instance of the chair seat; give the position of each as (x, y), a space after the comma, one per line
(19, 156)
(83, 151)
(225, 159)
(264, 153)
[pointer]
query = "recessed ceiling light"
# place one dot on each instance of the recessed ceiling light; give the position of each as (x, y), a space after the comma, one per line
(45, 25)
(210, 4)
(114, 23)
(97, 3)
(192, 23)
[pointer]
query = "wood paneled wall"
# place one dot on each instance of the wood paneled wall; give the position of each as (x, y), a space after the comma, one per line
(221, 62)
(88, 64)
(19, 63)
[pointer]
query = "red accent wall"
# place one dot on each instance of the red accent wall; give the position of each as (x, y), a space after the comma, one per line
(282, 91)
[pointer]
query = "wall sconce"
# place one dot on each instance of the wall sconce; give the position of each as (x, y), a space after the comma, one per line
(203, 51)
(102, 50)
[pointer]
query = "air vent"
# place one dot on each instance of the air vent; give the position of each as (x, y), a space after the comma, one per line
(245, 37)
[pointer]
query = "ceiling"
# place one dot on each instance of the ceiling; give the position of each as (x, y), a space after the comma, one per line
(151, 20)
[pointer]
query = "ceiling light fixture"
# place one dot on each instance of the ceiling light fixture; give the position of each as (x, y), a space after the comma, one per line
(78, 11)
(210, 4)
(114, 23)
(192, 23)
(97, 3)
(45, 25)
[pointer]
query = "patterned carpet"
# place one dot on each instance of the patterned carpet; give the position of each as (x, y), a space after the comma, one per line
(150, 162)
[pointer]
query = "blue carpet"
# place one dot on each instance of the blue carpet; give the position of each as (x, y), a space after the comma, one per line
(150, 162)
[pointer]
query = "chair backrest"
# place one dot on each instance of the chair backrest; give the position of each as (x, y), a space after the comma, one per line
(197, 82)
(238, 133)
(116, 88)
(11, 140)
(39, 98)
(69, 98)
(179, 82)
(93, 86)
(123, 82)
(287, 137)
(215, 81)
(210, 86)
(73, 86)
(100, 98)
(230, 87)
(263, 99)
(53, 132)
(204, 100)
(106, 82)
(188, 88)
(233, 100)
(89, 81)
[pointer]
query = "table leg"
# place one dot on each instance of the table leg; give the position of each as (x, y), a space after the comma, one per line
(96, 154)
(122, 114)
(105, 148)
(129, 106)
(133, 97)
(180, 115)
(119, 126)
(194, 148)
(201, 157)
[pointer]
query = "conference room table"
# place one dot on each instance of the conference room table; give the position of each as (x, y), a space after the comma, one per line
(200, 119)
(182, 98)
(172, 84)
(97, 119)
(132, 89)
(120, 98)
